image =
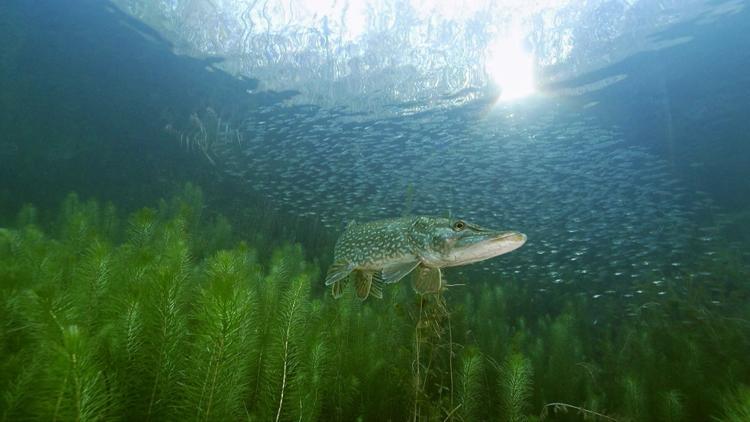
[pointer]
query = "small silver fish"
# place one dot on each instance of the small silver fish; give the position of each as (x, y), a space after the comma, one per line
(385, 251)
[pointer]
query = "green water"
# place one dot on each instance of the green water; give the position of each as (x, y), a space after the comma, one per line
(165, 228)
(164, 315)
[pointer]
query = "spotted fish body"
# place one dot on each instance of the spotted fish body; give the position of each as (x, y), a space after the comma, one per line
(384, 251)
(371, 246)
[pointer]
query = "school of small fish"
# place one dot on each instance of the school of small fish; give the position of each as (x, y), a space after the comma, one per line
(595, 209)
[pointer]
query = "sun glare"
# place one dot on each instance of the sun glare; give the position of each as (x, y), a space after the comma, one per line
(511, 67)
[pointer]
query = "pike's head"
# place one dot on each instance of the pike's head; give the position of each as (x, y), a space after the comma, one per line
(443, 242)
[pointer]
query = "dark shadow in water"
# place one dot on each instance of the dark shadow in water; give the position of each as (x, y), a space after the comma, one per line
(86, 93)
(688, 103)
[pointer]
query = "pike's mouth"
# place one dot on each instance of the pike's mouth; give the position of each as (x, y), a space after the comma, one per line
(493, 244)
(515, 237)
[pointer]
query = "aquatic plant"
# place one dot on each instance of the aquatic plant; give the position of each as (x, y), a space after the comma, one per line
(164, 315)
(471, 390)
(218, 368)
(735, 405)
(206, 132)
(672, 407)
(515, 387)
(635, 399)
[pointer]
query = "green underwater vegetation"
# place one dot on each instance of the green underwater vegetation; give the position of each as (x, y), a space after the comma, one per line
(166, 314)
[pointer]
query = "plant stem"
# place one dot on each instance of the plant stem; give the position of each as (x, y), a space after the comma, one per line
(580, 409)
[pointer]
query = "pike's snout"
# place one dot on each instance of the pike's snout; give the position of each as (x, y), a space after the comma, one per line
(515, 238)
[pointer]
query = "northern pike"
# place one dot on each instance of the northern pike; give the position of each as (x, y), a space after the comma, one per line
(385, 251)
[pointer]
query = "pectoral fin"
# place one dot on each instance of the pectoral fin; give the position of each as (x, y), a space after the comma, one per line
(427, 280)
(395, 272)
(338, 271)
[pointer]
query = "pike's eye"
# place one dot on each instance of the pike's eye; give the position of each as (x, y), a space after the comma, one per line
(459, 225)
